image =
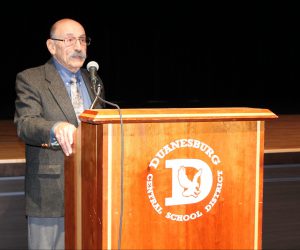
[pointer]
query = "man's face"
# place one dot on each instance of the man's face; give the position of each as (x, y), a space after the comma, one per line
(71, 52)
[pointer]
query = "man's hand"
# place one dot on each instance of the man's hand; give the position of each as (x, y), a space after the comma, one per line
(64, 133)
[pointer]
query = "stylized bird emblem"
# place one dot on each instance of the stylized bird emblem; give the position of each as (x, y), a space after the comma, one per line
(191, 188)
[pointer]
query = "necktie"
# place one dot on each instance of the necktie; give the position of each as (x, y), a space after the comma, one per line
(76, 98)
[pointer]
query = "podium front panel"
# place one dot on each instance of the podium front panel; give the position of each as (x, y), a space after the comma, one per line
(176, 185)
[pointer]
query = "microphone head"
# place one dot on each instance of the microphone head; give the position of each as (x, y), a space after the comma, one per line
(92, 64)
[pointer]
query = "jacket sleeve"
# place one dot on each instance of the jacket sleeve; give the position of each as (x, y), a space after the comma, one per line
(32, 127)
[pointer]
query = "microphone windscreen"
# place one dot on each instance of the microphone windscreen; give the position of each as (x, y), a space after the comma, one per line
(92, 64)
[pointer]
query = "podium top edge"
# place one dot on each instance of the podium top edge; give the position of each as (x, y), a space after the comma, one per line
(175, 114)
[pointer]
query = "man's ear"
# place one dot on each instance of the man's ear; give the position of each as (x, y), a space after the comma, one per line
(51, 46)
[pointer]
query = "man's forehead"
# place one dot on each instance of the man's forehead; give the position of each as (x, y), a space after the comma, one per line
(69, 27)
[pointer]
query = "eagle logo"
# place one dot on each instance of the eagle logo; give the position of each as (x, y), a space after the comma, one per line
(191, 187)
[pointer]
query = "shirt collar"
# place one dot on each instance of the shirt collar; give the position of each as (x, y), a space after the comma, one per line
(66, 74)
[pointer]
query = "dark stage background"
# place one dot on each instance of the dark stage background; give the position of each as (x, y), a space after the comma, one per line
(181, 54)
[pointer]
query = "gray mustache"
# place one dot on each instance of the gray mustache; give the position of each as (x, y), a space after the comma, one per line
(79, 54)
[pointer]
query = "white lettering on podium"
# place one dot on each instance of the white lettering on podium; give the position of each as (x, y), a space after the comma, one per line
(151, 195)
(191, 181)
(154, 162)
(183, 217)
(217, 193)
(184, 143)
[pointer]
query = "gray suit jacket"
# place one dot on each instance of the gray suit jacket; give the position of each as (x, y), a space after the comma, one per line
(42, 100)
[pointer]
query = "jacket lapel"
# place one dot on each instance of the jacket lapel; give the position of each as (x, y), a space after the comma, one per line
(59, 92)
(88, 85)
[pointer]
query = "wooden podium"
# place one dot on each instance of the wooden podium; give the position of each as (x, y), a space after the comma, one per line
(189, 178)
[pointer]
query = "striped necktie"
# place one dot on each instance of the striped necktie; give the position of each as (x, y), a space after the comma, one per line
(76, 98)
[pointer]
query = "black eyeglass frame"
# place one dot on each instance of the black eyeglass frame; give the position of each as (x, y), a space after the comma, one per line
(87, 40)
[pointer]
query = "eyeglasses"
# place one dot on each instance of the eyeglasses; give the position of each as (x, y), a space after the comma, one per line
(71, 41)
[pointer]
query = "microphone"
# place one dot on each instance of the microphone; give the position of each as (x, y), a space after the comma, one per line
(92, 67)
